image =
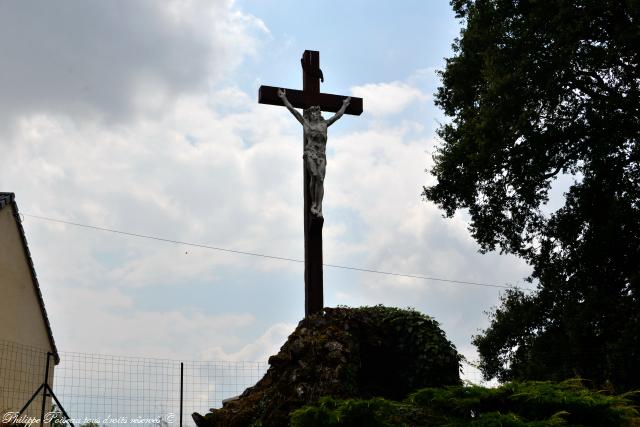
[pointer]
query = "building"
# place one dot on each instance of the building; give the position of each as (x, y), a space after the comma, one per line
(25, 332)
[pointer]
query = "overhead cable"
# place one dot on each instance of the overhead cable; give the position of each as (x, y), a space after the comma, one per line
(256, 254)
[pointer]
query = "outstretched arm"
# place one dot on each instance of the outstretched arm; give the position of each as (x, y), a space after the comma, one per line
(283, 96)
(340, 112)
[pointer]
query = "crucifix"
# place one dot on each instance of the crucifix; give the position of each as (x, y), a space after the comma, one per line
(312, 101)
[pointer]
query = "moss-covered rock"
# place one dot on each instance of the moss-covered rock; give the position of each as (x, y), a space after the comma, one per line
(345, 353)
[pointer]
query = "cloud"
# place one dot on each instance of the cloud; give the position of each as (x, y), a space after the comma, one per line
(107, 321)
(383, 99)
(261, 349)
(113, 60)
(194, 176)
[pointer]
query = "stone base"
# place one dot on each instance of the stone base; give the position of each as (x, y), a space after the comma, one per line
(345, 353)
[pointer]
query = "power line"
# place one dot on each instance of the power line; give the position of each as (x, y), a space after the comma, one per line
(216, 248)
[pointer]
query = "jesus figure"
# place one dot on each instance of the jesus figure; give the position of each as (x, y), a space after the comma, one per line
(315, 145)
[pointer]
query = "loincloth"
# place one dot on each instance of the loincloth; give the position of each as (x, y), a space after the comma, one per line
(316, 163)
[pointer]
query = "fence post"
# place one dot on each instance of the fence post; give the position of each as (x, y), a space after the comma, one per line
(44, 389)
(181, 388)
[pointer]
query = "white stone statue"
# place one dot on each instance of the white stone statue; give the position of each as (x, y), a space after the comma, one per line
(315, 145)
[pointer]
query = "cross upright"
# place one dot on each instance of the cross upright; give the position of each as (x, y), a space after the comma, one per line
(311, 96)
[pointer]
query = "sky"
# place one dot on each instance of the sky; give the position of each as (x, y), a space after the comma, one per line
(142, 116)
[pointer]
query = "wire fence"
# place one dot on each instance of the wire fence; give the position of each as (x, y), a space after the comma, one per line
(126, 391)
(22, 372)
(120, 390)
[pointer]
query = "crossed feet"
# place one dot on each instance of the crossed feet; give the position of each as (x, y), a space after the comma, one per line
(315, 211)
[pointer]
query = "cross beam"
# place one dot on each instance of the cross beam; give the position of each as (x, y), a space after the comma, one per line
(309, 96)
(300, 99)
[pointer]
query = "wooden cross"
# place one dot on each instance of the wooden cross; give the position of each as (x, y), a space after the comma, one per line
(309, 96)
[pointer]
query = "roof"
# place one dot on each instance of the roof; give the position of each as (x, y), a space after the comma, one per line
(7, 199)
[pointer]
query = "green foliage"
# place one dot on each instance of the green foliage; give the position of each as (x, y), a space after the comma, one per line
(535, 91)
(534, 401)
(514, 404)
(375, 412)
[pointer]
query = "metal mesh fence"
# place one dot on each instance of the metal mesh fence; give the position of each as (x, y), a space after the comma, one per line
(22, 370)
(119, 390)
(122, 390)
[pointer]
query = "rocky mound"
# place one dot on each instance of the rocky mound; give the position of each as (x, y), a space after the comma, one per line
(345, 353)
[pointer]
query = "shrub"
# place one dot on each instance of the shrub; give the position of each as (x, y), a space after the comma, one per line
(529, 404)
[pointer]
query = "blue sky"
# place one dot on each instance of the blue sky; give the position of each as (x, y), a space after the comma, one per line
(142, 116)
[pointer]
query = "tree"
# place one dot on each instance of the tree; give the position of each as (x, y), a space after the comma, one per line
(536, 90)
